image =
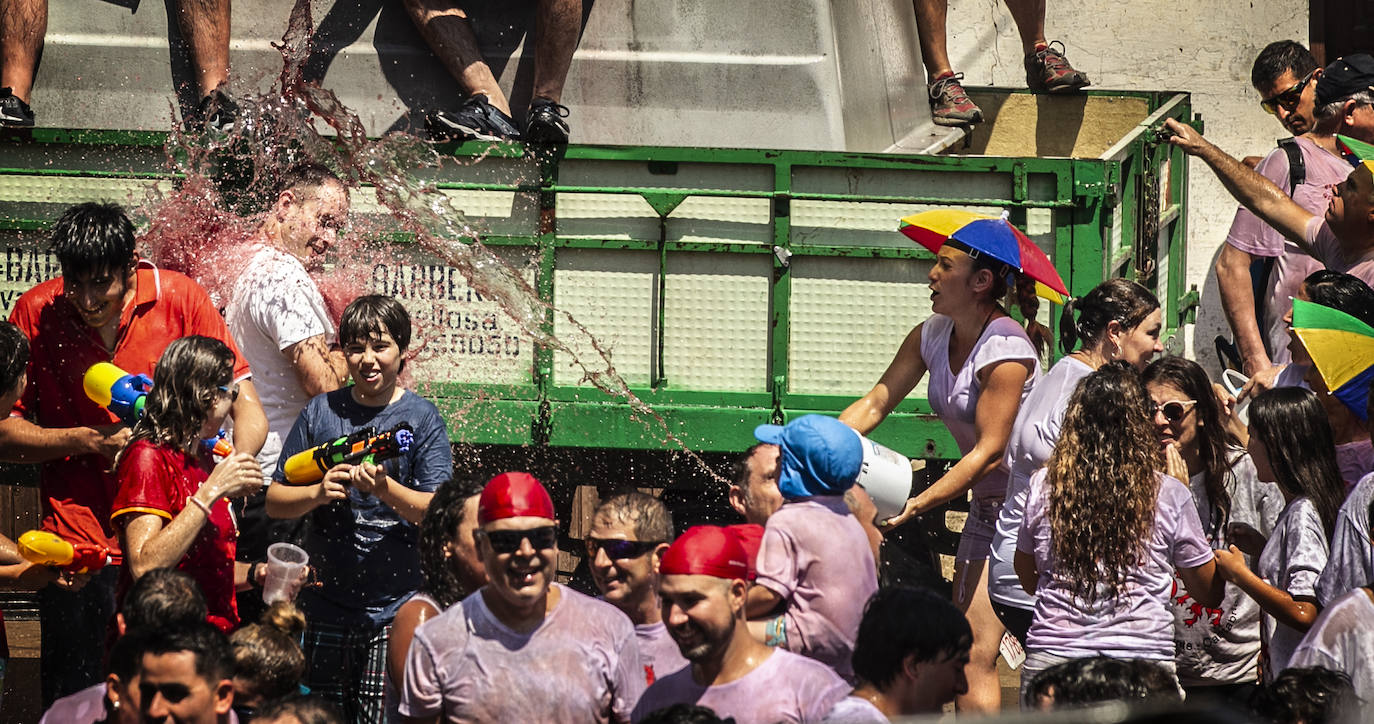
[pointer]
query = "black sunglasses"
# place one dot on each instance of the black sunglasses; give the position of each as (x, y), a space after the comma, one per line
(508, 541)
(1175, 410)
(1288, 99)
(619, 550)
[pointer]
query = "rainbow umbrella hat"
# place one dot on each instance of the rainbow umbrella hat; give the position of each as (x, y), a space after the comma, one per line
(989, 235)
(1342, 348)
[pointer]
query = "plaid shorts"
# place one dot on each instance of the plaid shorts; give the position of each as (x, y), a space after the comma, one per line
(348, 667)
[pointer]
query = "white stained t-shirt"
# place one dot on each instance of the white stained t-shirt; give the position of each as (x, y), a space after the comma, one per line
(855, 710)
(1351, 564)
(785, 687)
(1342, 639)
(1221, 645)
(953, 394)
(658, 652)
(1032, 441)
(274, 305)
(1291, 561)
(581, 664)
(1327, 249)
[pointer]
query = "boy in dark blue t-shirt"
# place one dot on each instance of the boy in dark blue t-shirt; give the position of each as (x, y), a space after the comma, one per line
(361, 529)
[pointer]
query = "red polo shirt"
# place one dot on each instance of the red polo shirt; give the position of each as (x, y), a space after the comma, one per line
(77, 492)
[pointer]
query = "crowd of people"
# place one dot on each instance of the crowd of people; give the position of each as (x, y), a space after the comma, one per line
(1135, 532)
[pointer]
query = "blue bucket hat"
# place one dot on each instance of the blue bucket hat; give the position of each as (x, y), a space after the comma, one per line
(820, 455)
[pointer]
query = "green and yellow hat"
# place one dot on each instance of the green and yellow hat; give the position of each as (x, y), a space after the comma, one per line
(1355, 151)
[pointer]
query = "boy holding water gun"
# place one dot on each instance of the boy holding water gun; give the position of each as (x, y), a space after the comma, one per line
(362, 509)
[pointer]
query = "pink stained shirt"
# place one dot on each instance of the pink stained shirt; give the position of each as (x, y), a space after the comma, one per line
(1328, 249)
(581, 664)
(784, 688)
(658, 652)
(1251, 235)
(816, 556)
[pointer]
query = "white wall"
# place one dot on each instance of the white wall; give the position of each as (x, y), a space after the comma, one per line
(1204, 47)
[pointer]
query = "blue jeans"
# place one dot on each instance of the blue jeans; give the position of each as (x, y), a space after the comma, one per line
(74, 627)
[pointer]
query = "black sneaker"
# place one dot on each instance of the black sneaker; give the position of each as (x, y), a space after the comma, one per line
(544, 122)
(14, 112)
(477, 120)
(216, 112)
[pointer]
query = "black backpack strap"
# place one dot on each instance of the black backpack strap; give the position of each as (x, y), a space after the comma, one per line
(1297, 168)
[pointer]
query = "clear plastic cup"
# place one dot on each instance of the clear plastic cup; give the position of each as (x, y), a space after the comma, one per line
(285, 567)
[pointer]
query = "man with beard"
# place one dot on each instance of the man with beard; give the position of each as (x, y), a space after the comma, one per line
(703, 589)
(523, 648)
(629, 534)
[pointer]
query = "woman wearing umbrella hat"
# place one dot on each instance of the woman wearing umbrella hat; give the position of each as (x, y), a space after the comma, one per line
(981, 365)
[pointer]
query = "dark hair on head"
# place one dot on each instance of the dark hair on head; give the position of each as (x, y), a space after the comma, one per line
(902, 621)
(1280, 56)
(93, 238)
(437, 529)
(306, 174)
(163, 597)
(1306, 696)
(1107, 443)
(1215, 443)
(1115, 300)
(214, 661)
(684, 714)
(372, 315)
(266, 654)
(186, 383)
(125, 656)
(14, 356)
(1099, 679)
(1342, 292)
(305, 708)
(1292, 425)
(1026, 301)
(648, 516)
(739, 469)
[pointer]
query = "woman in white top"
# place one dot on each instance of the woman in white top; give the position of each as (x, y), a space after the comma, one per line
(981, 364)
(1118, 319)
(1217, 648)
(1291, 444)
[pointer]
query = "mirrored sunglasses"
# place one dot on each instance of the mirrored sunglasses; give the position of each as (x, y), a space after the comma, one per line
(618, 550)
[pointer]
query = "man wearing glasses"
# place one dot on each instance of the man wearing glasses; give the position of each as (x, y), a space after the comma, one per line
(629, 534)
(523, 648)
(1258, 272)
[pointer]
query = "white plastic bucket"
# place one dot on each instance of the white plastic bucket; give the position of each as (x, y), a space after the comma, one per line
(1234, 382)
(886, 476)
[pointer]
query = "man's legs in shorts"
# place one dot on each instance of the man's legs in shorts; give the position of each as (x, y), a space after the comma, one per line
(204, 25)
(447, 30)
(74, 629)
(23, 23)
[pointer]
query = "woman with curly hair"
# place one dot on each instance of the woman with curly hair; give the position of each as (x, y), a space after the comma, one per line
(451, 569)
(1291, 444)
(1104, 533)
(1218, 648)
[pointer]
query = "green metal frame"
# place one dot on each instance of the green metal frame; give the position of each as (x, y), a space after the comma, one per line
(1089, 197)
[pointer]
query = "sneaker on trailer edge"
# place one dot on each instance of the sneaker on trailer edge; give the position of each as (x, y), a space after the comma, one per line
(476, 120)
(1047, 70)
(949, 102)
(216, 112)
(544, 122)
(14, 113)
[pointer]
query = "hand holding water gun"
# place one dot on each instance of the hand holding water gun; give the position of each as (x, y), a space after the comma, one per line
(45, 548)
(117, 391)
(365, 445)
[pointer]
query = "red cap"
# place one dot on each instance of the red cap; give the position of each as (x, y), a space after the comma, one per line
(514, 495)
(706, 550)
(750, 536)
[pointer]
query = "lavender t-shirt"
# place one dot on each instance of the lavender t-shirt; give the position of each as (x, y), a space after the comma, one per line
(1342, 639)
(1221, 645)
(1292, 560)
(784, 688)
(815, 555)
(1351, 564)
(581, 664)
(953, 394)
(1251, 235)
(658, 652)
(1327, 248)
(1136, 625)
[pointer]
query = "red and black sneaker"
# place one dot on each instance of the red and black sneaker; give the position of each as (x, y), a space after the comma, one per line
(1047, 70)
(949, 103)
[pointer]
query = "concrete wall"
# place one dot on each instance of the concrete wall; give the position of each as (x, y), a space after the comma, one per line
(1204, 47)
